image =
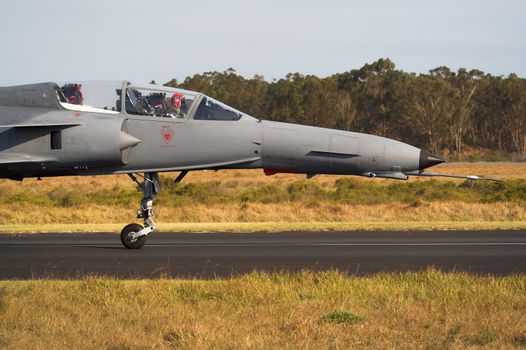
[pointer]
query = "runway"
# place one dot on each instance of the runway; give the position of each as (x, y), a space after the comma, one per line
(211, 255)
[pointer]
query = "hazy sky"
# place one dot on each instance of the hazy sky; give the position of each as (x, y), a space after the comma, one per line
(142, 40)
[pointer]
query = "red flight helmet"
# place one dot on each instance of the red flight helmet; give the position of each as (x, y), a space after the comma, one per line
(176, 100)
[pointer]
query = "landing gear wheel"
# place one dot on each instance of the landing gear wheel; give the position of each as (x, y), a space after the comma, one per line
(127, 239)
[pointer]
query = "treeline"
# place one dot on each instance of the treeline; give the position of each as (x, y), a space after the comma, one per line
(455, 114)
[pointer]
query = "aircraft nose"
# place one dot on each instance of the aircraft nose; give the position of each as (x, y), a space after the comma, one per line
(428, 160)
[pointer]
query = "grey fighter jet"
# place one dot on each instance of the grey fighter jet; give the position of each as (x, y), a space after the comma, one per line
(65, 129)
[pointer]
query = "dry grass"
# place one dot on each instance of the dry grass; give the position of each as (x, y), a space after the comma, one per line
(288, 212)
(259, 311)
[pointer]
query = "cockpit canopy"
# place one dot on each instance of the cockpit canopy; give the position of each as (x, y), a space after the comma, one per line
(147, 100)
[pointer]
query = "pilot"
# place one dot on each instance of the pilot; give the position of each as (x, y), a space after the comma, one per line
(73, 93)
(176, 103)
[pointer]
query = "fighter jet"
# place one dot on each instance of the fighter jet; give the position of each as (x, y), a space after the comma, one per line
(70, 129)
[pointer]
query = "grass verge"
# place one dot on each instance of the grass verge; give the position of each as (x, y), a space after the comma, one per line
(273, 226)
(305, 310)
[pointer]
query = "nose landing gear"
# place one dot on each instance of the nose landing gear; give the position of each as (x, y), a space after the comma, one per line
(133, 236)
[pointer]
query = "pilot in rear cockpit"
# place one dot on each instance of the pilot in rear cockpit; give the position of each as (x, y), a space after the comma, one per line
(73, 93)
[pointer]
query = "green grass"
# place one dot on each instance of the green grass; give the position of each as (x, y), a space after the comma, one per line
(340, 316)
(272, 226)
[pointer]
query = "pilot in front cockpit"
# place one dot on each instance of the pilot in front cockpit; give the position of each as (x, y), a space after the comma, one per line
(177, 104)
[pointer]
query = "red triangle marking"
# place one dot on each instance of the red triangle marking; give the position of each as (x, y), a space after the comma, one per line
(167, 136)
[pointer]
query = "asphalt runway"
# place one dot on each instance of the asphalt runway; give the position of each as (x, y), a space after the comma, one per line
(211, 255)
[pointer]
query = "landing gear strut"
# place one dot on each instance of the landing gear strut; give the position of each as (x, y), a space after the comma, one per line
(133, 236)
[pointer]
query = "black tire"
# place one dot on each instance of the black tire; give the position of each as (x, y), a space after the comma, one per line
(125, 236)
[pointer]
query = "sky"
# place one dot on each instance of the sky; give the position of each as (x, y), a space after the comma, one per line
(161, 39)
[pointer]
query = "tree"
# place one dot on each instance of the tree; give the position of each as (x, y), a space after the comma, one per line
(510, 99)
(430, 109)
(466, 85)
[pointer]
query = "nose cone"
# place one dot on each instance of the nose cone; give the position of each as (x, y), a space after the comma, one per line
(428, 160)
